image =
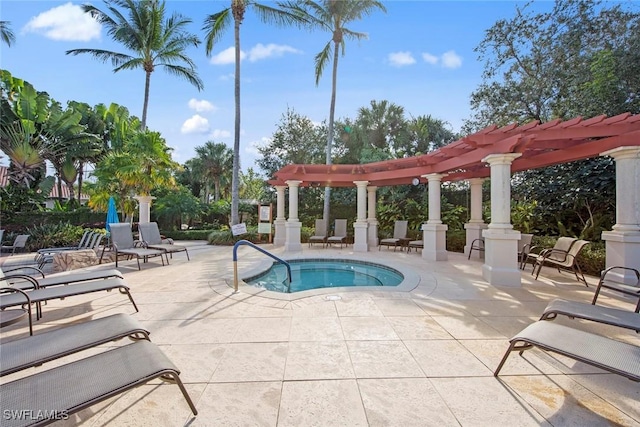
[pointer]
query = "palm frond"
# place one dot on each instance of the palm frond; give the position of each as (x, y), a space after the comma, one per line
(117, 59)
(185, 73)
(215, 26)
(321, 60)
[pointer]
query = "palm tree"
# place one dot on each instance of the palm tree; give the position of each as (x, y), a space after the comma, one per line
(215, 159)
(154, 40)
(214, 25)
(332, 16)
(6, 34)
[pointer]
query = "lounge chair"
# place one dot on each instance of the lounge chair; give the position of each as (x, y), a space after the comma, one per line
(339, 233)
(46, 346)
(63, 278)
(606, 283)
(90, 240)
(415, 244)
(565, 260)
(150, 236)
(37, 295)
(562, 245)
(94, 379)
(602, 352)
(83, 241)
(595, 313)
(123, 244)
(320, 233)
(14, 315)
(399, 233)
(19, 243)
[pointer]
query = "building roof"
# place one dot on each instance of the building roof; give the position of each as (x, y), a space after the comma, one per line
(540, 145)
(4, 181)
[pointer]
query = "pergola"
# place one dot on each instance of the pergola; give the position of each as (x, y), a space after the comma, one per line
(491, 153)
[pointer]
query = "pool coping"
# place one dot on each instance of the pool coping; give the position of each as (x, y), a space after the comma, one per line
(410, 282)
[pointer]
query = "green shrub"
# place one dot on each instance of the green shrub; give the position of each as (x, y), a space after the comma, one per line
(187, 234)
(456, 239)
(50, 236)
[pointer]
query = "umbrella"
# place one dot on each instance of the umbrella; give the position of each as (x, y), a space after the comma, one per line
(112, 214)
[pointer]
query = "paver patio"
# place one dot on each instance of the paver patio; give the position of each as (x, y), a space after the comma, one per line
(349, 358)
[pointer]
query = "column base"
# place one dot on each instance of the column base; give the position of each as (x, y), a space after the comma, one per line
(501, 257)
(623, 249)
(292, 243)
(360, 237)
(434, 240)
(373, 233)
(280, 236)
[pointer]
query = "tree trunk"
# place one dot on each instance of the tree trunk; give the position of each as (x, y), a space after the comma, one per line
(235, 193)
(80, 175)
(147, 82)
(332, 110)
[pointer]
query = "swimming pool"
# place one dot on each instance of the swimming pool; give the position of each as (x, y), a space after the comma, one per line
(317, 273)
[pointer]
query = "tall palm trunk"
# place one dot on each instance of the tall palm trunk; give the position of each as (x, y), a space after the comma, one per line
(332, 111)
(235, 193)
(147, 83)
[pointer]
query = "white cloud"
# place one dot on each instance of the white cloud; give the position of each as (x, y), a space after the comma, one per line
(67, 22)
(220, 133)
(271, 50)
(195, 124)
(429, 59)
(254, 145)
(227, 56)
(451, 59)
(201, 106)
(401, 59)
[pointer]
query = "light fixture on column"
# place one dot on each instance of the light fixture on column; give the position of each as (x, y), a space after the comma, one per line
(415, 181)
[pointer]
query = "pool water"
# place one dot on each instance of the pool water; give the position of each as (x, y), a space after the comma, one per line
(322, 273)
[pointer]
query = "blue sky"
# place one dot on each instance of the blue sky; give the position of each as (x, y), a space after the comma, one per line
(419, 55)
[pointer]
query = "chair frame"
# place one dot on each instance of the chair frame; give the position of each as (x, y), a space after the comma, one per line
(339, 227)
(152, 239)
(19, 242)
(619, 287)
(126, 246)
(562, 260)
(319, 233)
(399, 234)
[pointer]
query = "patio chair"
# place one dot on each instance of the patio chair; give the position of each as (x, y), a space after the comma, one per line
(562, 260)
(83, 241)
(151, 238)
(90, 240)
(14, 315)
(123, 244)
(524, 247)
(63, 278)
(319, 233)
(602, 352)
(399, 233)
(607, 283)
(19, 243)
(33, 351)
(595, 313)
(339, 233)
(415, 244)
(476, 245)
(562, 245)
(94, 379)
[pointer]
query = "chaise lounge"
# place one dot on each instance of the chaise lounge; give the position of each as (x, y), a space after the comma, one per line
(150, 236)
(123, 244)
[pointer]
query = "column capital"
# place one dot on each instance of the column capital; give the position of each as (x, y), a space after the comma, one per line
(372, 189)
(361, 183)
(147, 199)
(632, 152)
(293, 183)
(434, 176)
(280, 187)
(476, 181)
(501, 159)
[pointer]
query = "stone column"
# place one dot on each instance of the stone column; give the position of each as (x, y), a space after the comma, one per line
(623, 242)
(476, 224)
(144, 208)
(361, 225)
(280, 236)
(500, 240)
(293, 225)
(371, 217)
(434, 232)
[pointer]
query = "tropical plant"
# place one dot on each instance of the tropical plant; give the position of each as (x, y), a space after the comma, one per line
(155, 42)
(215, 161)
(215, 25)
(333, 17)
(174, 207)
(6, 34)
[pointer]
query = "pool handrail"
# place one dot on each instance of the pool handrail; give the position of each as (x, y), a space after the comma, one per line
(259, 249)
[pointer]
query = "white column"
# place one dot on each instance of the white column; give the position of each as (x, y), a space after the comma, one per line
(360, 226)
(144, 208)
(500, 240)
(476, 224)
(434, 232)
(623, 242)
(371, 217)
(293, 225)
(280, 236)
